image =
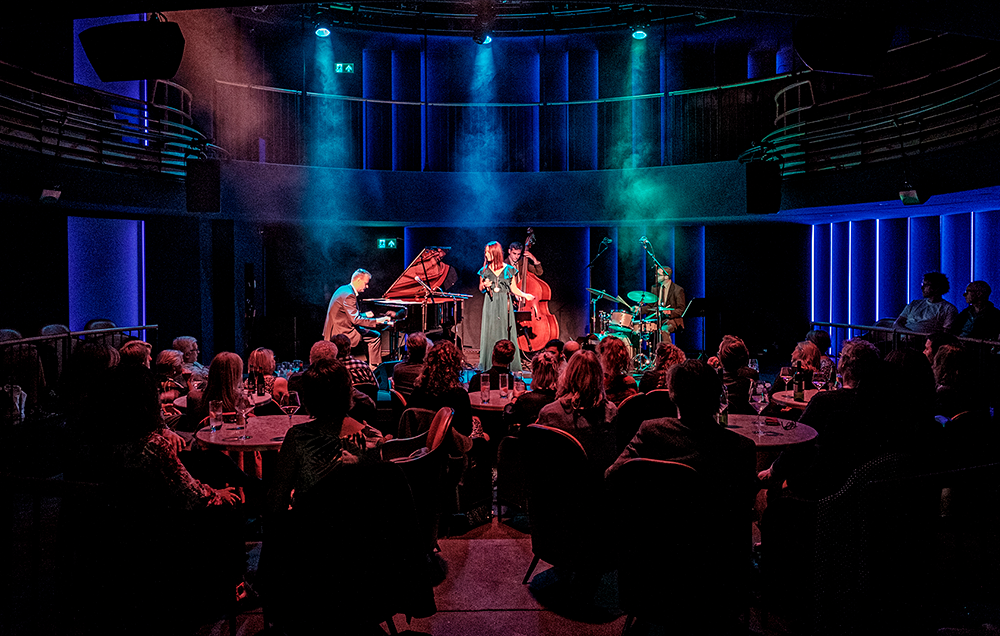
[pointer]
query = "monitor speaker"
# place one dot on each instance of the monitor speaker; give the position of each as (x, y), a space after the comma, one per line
(124, 51)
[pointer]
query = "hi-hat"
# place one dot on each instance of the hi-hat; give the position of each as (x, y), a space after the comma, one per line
(642, 297)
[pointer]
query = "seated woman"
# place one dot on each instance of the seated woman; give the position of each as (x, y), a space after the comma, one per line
(583, 410)
(821, 339)
(438, 386)
(737, 376)
(616, 363)
(314, 449)
(667, 355)
(525, 408)
(261, 361)
(225, 383)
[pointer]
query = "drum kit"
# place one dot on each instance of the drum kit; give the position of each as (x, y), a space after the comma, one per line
(636, 326)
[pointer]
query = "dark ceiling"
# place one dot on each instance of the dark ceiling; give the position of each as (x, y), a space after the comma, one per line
(970, 17)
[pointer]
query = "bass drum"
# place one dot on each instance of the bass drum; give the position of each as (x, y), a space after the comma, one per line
(624, 337)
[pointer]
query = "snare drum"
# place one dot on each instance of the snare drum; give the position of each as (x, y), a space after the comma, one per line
(620, 321)
(645, 326)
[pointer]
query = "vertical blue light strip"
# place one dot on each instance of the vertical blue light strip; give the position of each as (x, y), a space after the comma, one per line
(972, 246)
(829, 293)
(142, 277)
(850, 275)
(812, 275)
(878, 267)
(909, 250)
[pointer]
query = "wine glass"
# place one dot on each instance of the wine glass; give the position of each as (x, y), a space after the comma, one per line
(753, 364)
(290, 404)
(820, 379)
(786, 375)
(758, 400)
(519, 387)
(244, 406)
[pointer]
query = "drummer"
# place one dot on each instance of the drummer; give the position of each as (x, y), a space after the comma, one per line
(670, 299)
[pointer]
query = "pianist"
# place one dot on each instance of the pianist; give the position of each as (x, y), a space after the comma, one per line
(342, 317)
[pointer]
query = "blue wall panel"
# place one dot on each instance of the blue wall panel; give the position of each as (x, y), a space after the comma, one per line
(925, 252)
(820, 298)
(891, 284)
(956, 254)
(863, 272)
(986, 256)
(840, 275)
(105, 271)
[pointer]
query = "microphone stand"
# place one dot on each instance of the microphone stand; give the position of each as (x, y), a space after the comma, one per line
(593, 305)
(659, 316)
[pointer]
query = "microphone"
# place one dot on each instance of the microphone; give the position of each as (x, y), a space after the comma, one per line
(606, 240)
(423, 284)
(645, 242)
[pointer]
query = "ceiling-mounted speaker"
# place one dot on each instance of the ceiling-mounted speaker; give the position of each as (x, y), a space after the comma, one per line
(125, 51)
(837, 46)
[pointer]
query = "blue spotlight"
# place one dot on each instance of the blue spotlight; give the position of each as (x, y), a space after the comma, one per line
(322, 32)
(639, 33)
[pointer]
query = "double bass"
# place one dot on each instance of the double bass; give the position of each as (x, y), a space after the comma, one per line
(540, 326)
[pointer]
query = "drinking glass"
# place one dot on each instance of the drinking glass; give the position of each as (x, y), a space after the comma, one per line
(484, 388)
(244, 407)
(758, 400)
(526, 376)
(753, 364)
(820, 379)
(787, 374)
(290, 404)
(504, 386)
(519, 387)
(214, 415)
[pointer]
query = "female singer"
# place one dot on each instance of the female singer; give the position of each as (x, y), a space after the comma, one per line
(496, 281)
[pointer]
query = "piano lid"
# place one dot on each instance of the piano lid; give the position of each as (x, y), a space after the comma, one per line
(430, 268)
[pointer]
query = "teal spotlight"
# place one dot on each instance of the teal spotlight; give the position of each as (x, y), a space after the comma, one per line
(639, 33)
(322, 32)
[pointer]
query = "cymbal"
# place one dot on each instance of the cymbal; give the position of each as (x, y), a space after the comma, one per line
(601, 294)
(642, 297)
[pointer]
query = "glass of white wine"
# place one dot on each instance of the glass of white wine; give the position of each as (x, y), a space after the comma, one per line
(758, 400)
(290, 404)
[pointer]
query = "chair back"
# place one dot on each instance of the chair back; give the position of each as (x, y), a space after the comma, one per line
(659, 404)
(397, 404)
(321, 537)
(425, 473)
(369, 389)
(440, 427)
(511, 482)
(631, 413)
(677, 566)
(402, 447)
(567, 504)
(415, 421)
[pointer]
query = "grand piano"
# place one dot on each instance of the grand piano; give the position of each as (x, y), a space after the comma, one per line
(419, 299)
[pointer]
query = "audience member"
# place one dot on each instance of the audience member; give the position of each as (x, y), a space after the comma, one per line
(583, 409)
(618, 384)
(911, 388)
(981, 319)
(314, 449)
(360, 371)
(931, 312)
(734, 359)
(225, 383)
(935, 341)
(821, 339)
(438, 386)
(544, 381)
(957, 387)
(169, 371)
(20, 366)
(137, 352)
(667, 355)
(405, 373)
(188, 346)
(261, 361)
(723, 458)
(503, 355)
(363, 409)
(855, 424)
(569, 349)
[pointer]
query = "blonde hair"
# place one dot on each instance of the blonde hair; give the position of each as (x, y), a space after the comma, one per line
(583, 381)
(262, 360)
(807, 353)
(225, 374)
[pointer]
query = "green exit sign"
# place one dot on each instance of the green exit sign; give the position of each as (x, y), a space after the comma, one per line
(388, 243)
(344, 67)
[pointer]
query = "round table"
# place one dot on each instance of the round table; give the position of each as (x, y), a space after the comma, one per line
(496, 403)
(776, 436)
(266, 432)
(787, 398)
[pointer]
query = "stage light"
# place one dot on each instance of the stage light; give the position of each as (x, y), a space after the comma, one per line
(322, 31)
(482, 24)
(639, 33)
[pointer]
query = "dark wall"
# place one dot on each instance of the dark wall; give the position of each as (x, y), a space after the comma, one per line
(35, 268)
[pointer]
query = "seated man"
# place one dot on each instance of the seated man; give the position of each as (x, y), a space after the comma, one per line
(981, 319)
(405, 373)
(360, 372)
(363, 408)
(727, 460)
(931, 312)
(503, 355)
(188, 346)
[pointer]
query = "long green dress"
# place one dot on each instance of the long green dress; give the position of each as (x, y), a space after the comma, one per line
(498, 317)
